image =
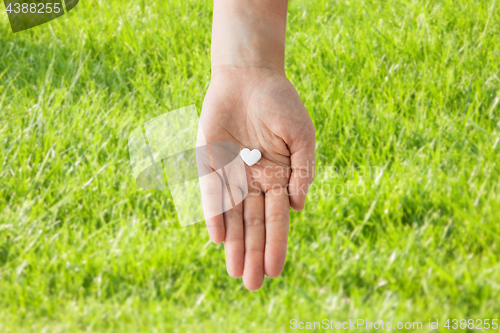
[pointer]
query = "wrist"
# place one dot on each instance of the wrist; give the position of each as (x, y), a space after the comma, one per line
(249, 34)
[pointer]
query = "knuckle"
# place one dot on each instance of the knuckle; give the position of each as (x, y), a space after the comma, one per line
(257, 250)
(233, 239)
(232, 214)
(278, 242)
(254, 222)
(279, 218)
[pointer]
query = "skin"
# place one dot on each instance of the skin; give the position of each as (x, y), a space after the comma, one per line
(251, 103)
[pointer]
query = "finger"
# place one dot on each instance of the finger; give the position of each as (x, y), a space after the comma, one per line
(234, 244)
(277, 221)
(302, 175)
(211, 195)
(210, 188)
(255, 234)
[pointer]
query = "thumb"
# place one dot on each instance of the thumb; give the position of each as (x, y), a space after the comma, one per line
(302, 160)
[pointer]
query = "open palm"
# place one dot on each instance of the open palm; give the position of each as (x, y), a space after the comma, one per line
(259, 108)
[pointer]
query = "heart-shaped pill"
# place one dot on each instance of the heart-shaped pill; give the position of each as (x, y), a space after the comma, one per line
(250, 157)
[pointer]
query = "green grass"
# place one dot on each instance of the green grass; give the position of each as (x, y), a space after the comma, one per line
(406, 89)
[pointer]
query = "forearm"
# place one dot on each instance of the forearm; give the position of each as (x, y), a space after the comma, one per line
(249, 33)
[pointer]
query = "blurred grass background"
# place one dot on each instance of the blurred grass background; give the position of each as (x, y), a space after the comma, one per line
(404, 95)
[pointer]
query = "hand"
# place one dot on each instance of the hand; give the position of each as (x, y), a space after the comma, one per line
(257, 107)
